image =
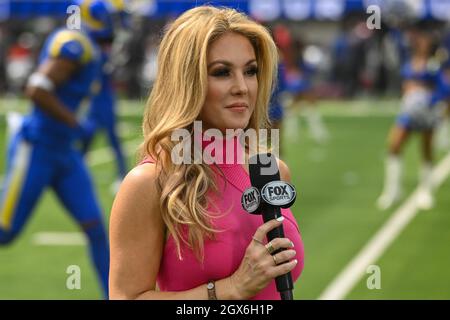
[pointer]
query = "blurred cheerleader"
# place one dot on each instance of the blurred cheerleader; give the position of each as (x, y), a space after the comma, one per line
(417, 114)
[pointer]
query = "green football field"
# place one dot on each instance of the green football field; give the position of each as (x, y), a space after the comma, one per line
(337, 181)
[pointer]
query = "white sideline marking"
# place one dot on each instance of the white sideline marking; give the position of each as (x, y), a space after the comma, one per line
(353, 272)
(59, 239)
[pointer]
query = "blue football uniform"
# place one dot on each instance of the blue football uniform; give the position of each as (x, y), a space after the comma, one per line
(442, 91)
(416, 109)
(42, 154)
(276, 111)
(102, 115)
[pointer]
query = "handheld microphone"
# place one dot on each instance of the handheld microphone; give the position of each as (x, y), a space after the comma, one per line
(266, 196)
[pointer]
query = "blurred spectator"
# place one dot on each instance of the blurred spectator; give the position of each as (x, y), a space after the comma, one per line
(349, 54)
(353, 61)
(149, 67)
(20, 62)
(3, 49)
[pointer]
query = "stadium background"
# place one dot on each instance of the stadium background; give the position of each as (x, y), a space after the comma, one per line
(338, 180)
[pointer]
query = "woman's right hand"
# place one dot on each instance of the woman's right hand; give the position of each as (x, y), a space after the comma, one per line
(258, 267)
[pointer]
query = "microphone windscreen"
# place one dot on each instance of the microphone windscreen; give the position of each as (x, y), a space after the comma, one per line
(263, 169)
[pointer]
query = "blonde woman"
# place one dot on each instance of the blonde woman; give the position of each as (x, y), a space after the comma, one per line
(178, 231)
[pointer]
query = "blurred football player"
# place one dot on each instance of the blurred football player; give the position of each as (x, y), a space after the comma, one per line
(417, 114)
(295, 88)
(443, 97)
(102, 110)
(43, 153)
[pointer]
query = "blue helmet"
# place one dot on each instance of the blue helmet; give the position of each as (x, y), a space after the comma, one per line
(102, 18)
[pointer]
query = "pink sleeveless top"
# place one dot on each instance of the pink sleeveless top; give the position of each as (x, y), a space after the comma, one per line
(223, 255)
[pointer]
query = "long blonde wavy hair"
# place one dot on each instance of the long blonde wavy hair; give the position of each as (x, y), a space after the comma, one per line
(175, 102)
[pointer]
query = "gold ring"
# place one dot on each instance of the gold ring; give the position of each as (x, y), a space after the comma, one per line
(270, 248)
(259, 241)
(275, 260)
